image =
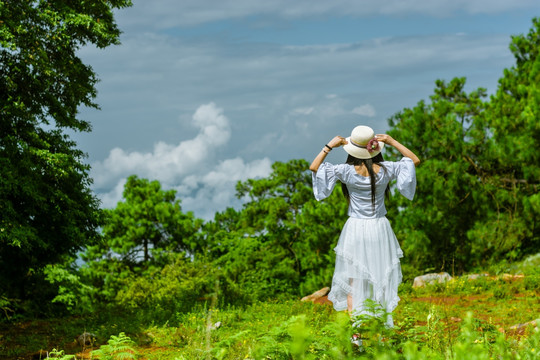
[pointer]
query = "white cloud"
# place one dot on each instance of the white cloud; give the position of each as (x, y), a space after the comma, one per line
(216, 190)
(111, 198)
(167, 162)
(204, 184)
(364, 110)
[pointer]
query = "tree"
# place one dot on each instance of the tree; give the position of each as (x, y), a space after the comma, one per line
(281, 241)
(138, 235)
(48, 210)
(149, 221)
(510, 165)
(433, 228)
(477, 198)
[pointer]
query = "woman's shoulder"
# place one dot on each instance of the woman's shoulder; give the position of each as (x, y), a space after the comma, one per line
(399, 168)
(390, 167)
(387, 165)
(392, 164)
(338, 169)
(335, 166)
(344, 168)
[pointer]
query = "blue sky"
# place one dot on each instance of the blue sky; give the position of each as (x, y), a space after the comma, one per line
(202, 94)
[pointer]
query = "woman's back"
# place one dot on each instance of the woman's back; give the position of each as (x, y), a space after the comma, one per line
(359, 186)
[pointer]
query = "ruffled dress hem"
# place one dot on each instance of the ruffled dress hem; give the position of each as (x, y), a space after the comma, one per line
(367, 265)
(379, 288)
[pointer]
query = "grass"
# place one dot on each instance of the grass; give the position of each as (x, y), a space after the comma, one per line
(462, 319)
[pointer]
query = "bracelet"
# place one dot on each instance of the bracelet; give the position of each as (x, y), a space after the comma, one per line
(326, 152)
(329, 148)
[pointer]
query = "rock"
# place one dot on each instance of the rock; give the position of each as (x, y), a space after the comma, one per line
(86, 339)
(510, 277)
(533, 323)
(423, 280)
(476, 276)
(520, 328)
(323, 300)
(216, 326)
(316, 295)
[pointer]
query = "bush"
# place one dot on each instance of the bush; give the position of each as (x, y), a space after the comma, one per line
(177, 287)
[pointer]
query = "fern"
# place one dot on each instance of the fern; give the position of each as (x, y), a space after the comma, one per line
(59, 355)
(118, 348)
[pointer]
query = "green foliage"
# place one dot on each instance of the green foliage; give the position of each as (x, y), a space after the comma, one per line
(59, 355)
(119, 347)
(434, 226)
(148, 222)
(178, 287)
(477, 197)
(140, 237)
(6, 307)
(151, 255)
(281, 241)
(429, 324)
(510, 165)
(289, 340)
(47, 207)
(72, 292)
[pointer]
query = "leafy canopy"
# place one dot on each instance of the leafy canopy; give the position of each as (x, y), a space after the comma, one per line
(48, 210)
(477, 197)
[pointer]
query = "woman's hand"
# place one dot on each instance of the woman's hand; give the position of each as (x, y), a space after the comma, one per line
(387, 139)
(337, 141)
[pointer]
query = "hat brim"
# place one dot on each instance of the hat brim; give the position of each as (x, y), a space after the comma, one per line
(361, 153)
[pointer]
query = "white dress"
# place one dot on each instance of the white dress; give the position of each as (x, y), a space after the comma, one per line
(367, 253)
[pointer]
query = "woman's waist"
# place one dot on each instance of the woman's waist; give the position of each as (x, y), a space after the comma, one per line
(367, 212)
(374, 217)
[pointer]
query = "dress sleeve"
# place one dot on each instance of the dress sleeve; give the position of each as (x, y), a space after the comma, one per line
(405, 173)
(325, 179)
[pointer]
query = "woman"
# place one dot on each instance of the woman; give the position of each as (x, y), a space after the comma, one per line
(367, 253)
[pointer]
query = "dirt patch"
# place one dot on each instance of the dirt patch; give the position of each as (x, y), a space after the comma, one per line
(450, 300)
(34, 339)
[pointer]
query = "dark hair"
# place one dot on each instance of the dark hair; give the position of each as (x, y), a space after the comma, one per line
(377, 159)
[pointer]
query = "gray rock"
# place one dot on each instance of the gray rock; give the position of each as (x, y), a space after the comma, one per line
(476, 276)
(432, 278)
(86, 339)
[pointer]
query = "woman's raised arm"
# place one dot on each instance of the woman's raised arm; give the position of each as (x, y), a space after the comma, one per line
(337, 141)
(387, 139)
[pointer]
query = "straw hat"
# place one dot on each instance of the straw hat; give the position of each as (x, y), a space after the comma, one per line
(362, 143)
